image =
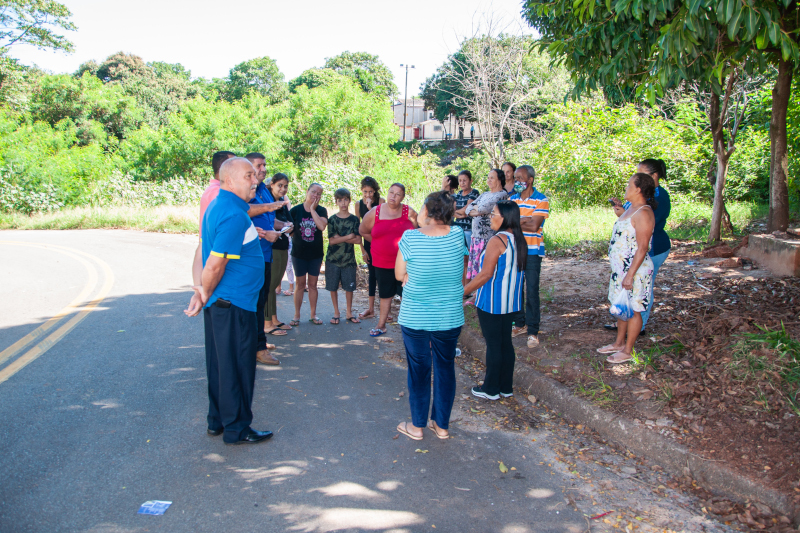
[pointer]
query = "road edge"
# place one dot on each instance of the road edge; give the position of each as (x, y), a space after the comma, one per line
(641, 440)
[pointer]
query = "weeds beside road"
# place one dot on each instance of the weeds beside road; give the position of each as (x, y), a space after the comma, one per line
(586, 229)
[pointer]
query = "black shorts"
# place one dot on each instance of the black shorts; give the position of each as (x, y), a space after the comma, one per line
(388, 286)
(306, 266)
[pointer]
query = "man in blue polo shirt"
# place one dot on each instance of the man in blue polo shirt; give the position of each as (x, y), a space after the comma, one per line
(233, 274)
(265, 224)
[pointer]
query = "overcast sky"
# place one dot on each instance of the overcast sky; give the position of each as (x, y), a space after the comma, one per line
(209, 37)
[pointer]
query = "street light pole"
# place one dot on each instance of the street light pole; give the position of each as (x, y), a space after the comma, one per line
(405, 101)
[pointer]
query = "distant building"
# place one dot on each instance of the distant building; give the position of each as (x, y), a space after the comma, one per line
(422, 126)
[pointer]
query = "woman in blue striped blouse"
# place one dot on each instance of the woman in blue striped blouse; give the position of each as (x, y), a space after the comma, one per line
(500, 284)
(431, 265)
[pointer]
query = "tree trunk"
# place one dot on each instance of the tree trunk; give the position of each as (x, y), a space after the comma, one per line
(723, 156)
(779, 160)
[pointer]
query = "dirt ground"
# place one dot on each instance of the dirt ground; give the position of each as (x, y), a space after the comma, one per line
(688, 384)
(691, 382)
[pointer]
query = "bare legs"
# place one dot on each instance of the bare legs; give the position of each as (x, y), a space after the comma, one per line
(304, 282)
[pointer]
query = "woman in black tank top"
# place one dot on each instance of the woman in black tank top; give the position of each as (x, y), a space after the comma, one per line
(371, 198)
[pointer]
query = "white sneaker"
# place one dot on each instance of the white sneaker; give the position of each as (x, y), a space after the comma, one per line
(533, 341)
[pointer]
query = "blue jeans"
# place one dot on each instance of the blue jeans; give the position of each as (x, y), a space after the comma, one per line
(658, 260)
(423, 350)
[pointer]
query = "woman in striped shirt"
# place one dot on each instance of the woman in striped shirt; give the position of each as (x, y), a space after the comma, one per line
(431, 265)
(500, 284)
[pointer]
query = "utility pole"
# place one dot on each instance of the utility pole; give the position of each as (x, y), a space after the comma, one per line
(405, 100)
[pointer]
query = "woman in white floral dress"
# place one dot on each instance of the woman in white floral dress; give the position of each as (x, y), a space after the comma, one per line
(631, 267)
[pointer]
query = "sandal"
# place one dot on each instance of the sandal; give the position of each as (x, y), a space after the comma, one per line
(279, 330)
(365, 315)
(294, 322)
(281, 325)
(608, 348)
(271, 346)
(335, 320)
(619, 357)
(353, 320)
(288, 293)
(403, 428)
(376, 332)
(315, 321)
(435, 428)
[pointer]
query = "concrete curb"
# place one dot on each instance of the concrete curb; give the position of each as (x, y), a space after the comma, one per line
(637, 438)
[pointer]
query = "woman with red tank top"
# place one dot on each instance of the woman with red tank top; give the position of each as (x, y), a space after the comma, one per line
(383, 227)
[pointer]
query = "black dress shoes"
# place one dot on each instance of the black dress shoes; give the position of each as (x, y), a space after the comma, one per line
(214, 432)
(253, 437)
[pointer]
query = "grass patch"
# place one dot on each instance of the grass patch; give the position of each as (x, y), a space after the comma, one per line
(770, 362)
(589, 228)
(597, 390)
(651, 355)
(164, 219)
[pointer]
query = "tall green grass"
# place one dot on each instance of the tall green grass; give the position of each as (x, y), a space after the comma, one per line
(168, 219)
(588, 227)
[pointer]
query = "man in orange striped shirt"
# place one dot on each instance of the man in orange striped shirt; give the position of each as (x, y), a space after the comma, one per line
(534, 208)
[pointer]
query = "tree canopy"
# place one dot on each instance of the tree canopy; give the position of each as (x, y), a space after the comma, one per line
(261, 75)
(35, 23)
(366, 69)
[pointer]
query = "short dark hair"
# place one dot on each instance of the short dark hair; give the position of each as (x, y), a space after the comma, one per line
(655, 166)
(313, 184)
(401, 186)
(500, 176)
(252, 156)
(280, 176)
(452, 181)
(467, 173)
(218, 158)
(528, 170)
(440, 206)
(512, 165)
(341, 193)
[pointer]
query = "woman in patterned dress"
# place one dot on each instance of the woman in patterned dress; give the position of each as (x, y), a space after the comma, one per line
(480, 211)
(631, 267)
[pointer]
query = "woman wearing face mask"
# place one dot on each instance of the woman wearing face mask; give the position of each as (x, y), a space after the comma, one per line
(480, 211)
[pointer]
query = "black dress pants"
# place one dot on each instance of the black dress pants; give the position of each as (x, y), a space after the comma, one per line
(263, 298)
(231, 366)
(500, 355)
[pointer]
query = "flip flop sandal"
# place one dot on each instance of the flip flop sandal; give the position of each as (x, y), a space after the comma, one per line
(336, 319)
(288, 293)
(316, 321)
(438, 435)
(624, 358)
(281, 324)
(376, 332)
(271, 346)
(403, 428)
(366, 316)
(294, 322)
(608, 348)
(273, 330)
(353, 319)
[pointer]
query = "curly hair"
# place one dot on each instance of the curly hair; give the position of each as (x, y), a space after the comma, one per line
(647, 186)
(440, 206)
(372, 183)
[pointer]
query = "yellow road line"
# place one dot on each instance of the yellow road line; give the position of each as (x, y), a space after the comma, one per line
(39, 332)
(56, 336)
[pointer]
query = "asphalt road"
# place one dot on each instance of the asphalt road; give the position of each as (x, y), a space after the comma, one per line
(112, 414)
